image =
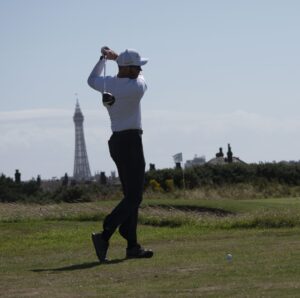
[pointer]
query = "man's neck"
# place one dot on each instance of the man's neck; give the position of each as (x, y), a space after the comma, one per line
(119, 75)
(122, 76)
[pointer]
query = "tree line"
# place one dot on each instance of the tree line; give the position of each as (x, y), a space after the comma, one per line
(219, 175)
(13, 190)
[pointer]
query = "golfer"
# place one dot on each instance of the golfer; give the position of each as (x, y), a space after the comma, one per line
(121, 96)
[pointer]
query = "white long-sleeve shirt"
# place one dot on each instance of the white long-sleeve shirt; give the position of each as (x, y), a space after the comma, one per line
(125, 113)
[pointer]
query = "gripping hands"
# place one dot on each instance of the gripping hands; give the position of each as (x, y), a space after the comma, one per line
(108, 53)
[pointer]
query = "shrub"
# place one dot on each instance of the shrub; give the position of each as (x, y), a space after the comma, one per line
(13, 192)
(155, 186)
(255, 174)
(169, 185)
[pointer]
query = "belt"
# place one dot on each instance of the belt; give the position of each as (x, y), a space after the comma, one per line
(128, 131)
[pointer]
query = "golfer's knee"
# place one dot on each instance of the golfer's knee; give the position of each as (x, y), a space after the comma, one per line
(133, 202)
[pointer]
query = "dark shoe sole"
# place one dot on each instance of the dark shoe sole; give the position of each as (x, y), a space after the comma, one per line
(100, 247)
(147, 254)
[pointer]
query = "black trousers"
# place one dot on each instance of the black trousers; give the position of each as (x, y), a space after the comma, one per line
(126, 150)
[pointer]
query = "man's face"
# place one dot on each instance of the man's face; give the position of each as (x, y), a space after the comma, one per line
(134, 71)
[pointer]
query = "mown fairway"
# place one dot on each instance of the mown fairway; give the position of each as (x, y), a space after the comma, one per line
(46, 251)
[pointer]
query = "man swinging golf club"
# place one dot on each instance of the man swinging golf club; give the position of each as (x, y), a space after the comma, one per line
(121, 95)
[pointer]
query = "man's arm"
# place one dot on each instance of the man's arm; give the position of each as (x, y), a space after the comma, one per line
(95, 80)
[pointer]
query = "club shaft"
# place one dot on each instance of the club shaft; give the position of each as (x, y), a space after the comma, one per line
(104, 75)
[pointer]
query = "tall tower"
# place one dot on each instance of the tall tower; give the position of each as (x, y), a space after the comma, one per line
(81, 163)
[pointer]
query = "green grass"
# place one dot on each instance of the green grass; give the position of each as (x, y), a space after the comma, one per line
(46, 251)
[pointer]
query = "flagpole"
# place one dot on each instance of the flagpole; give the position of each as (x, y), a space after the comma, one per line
(178, 159)
(183, 178)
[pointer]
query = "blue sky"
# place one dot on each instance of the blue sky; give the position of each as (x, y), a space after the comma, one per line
(219, 72)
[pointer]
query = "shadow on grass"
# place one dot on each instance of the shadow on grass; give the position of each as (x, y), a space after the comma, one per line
(79, 266)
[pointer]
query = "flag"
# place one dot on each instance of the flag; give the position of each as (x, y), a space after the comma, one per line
(177, 157)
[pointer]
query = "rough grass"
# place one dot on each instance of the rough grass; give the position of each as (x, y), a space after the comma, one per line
(221, 214)
(46, 251)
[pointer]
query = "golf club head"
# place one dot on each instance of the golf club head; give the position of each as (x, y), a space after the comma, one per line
(108, 99)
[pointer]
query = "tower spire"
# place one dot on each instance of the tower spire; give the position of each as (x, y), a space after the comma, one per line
(81, 163)
(77, 100)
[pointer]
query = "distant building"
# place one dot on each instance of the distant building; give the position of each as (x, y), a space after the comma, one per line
(196, 161)
(110, 180)
(152, 167)
(221, 160)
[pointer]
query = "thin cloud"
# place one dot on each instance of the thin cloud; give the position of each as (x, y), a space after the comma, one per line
(42, 141)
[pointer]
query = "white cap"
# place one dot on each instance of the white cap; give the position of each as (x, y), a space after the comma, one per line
(131, 57)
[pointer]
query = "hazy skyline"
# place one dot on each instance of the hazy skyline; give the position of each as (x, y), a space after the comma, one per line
(219, 72)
